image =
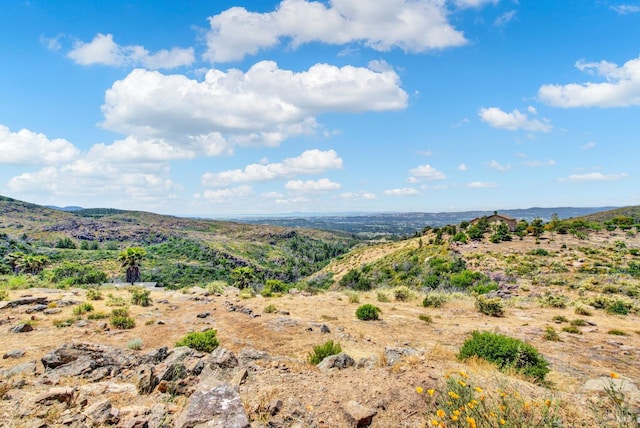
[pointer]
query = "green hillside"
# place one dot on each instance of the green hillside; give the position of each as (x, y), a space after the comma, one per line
(180, 251)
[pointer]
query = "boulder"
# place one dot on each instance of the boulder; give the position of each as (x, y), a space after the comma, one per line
(222, 358)
(393, 355)
(220, 407)
(23, 327)
(338, 361)
(359, 415)
(16, 353)
(62, 394)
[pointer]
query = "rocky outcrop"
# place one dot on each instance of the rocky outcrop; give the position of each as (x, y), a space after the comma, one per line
(219, 407)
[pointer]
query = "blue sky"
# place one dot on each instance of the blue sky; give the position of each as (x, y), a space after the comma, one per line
(220, 108)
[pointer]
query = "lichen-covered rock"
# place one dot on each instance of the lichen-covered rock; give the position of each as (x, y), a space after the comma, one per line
(220, 407)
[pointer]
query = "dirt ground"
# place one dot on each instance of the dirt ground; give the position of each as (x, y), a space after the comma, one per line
(288, 339)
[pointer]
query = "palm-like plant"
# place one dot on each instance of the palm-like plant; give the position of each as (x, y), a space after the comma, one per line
(131, 258)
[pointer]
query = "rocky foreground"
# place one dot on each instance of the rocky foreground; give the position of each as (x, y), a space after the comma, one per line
(83, 375)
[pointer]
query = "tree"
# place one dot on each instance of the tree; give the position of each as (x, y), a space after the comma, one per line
(242, 276)
(131, 258)
(537, 227)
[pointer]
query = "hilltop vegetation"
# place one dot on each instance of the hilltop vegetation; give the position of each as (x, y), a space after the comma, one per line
(82, 246)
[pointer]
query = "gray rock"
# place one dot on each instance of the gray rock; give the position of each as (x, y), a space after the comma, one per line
(274, 407)
(203, 314)
(222, 358)
(26, 368)
(52, 311)
(102, 413)
(21, 328)
(359, 415)
(28, 300)
(393, 355)
(82, 358)
(62, 394)
(220, 407)
(338, 361)
(36, 308)
(16, 353)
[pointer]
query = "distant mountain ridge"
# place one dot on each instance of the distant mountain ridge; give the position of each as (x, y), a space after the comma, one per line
(409, 223)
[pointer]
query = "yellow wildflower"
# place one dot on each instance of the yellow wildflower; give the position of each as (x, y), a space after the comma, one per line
(502, 422)
(453, 395)
(454, 418)
(614, 375)
(456, 412)
(478, 389)
(431, 392)
(493, 415)
(419, 389)
(471, 422)
(441, 413)
(463, 374)
(462, 384)
(547, 402)
(434, 422)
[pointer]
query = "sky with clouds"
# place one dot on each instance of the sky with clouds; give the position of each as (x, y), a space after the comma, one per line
(227, 108)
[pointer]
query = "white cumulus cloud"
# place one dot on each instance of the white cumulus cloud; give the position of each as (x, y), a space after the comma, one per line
(625, 9)
(104, 51)
(537, 163)
(620, 88)
(410, 25)
(593, 176)
(498, 166)
(263, 106)
(404, 191)
(513, 121)
(358, 195)
(312, 186)
(26, 147)
(426, 172)
(482, 184)
(309, 162)
(232, 193)
(473, 3)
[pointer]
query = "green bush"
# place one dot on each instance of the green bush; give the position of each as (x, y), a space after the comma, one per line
(382, 297)
(484, 287)
(490, 306)
(583, 310)
(269, 309)
(97, 316)
(403, 294)
(4, 294)
(320, 352)
(506, 352)
(571, 329)
(356, 280)
(619, 307)
(617, 332)
(122, 323)
(83, 308)
(204, 341)
(425, 318)
(553, 300)
(368, 312)
(578, 322)
(115, 301)
(93, 293)
(140, 296)
(551, 334)
(434, 300)
(465, 279)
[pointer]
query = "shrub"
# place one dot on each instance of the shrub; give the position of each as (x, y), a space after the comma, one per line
(353, 297)
(578, 322)
(484, 287)
(571, 329)
(619, 307)
(216, 287)
(356, 280)
(247, 293)
(539, 252)
(617, 332)
(425, 318)
(320, 352)
(135, 344)
(60, 323)
(551, 334)
(490, 306)
(97, 316)
(553, 301)
(506, 352)
(269, 309)
(4, 294)
(115, 301)
(368, 312)
(274, 286)
(559, 318)
(403, 294)
(140, 296)
(93, 293)
(204, 341)
(583, 310)
(121, 320)
(460, 237)
(83, 308)
(382, 297)
(434, 300)
(465, 279)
